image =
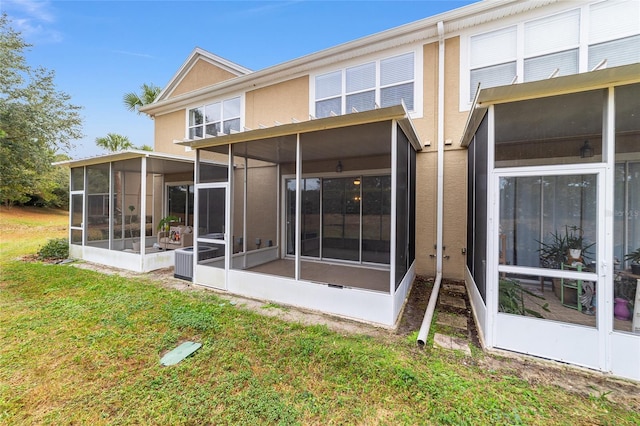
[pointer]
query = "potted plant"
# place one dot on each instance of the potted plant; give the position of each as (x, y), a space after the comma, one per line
(563, 248)
(135, 244)
(165, 224)
(576, 247)
(634, 258)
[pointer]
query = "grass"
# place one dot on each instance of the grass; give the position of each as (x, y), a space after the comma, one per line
(79, 347)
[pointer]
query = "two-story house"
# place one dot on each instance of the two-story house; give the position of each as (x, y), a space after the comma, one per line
(467, 145)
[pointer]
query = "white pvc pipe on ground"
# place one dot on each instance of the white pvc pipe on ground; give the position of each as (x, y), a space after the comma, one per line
(428, 315)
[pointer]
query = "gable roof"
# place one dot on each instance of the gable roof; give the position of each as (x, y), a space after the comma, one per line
(196, 55)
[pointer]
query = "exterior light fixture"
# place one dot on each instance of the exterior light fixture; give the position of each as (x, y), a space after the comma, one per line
(586, 151)
(356, 181)
(339, 167)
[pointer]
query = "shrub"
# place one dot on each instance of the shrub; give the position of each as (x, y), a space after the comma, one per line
(55, 248)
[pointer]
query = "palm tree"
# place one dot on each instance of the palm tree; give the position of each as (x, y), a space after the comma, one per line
(133, 101)
(114, 142)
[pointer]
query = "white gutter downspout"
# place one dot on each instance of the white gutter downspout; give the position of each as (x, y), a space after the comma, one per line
(428, 315)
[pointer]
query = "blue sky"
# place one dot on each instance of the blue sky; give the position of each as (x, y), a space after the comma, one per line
(103, 49)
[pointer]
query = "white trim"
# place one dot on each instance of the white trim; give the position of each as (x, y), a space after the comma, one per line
(493, 212)
(519, 20)
(420, 32)
(196, 55)
(394, 214)
(348, 302)
(418, 78)
(298, 218)
(202, 105)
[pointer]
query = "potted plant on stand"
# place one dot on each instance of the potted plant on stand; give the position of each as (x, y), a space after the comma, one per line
(135, 244)
(576, 248)
(634, 258)
(563, 248)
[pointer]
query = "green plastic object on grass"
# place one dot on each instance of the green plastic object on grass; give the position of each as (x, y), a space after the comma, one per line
(181, 352)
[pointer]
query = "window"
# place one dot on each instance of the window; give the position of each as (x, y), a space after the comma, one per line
(217, 118)
(552, 46)
(493, 59)
(383, 83)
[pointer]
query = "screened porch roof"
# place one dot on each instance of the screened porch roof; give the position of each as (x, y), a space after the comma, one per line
(332, 136)
(157, 163)
(626, 74)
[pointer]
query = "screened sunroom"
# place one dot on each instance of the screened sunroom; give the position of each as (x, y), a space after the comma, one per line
(118, 201)
(554, 209)
(317, 214)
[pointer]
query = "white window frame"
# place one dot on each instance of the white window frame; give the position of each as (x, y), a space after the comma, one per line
(222, 120)
(563, 7)
(417, 81)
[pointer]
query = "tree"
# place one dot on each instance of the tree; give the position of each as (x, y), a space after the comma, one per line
(114, 142)
(133, 101)
(36, 121)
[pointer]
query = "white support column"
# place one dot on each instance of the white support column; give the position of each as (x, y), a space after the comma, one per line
(228, 232)
(394, 207)
(196, 218)
(298, 227)
(85, 210)
(112, 208)
(604, 299)
(490, 269)
(245, 198)
(143, 205)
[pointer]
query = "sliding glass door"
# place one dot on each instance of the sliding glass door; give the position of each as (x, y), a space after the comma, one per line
(180, 203)
(342, 218)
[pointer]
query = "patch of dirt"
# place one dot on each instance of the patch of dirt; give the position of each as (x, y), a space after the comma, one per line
(535, 371)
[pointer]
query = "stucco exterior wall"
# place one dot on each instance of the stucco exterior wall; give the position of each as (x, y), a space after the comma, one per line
(454, 218)
(426, 165)
(170, 127)
(280, 102)
(455, 167)
(284, 101)
(201, 74)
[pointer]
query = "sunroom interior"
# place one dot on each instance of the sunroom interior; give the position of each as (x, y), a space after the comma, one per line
(117, 204)
(561, 160)
(540, 212)
(329, 202)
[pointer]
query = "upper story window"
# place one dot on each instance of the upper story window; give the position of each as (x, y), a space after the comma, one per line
(214, 119)
(604, 34)
(383, 83)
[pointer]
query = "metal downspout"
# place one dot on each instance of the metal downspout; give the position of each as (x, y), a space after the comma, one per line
(428, 315)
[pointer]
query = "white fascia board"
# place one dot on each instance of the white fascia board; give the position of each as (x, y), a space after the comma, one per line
(119, 156)
(424, 31)
(193, 58)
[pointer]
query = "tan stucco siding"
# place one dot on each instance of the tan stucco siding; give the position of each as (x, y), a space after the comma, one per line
(201, 74)
(279, 102)
(455, 193)
(170, 127)
(455, 165)
(426, 178)
(427, 126)
(455, 213)
(454, 120)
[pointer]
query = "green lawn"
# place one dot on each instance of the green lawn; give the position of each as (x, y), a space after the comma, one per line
(79, 347)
